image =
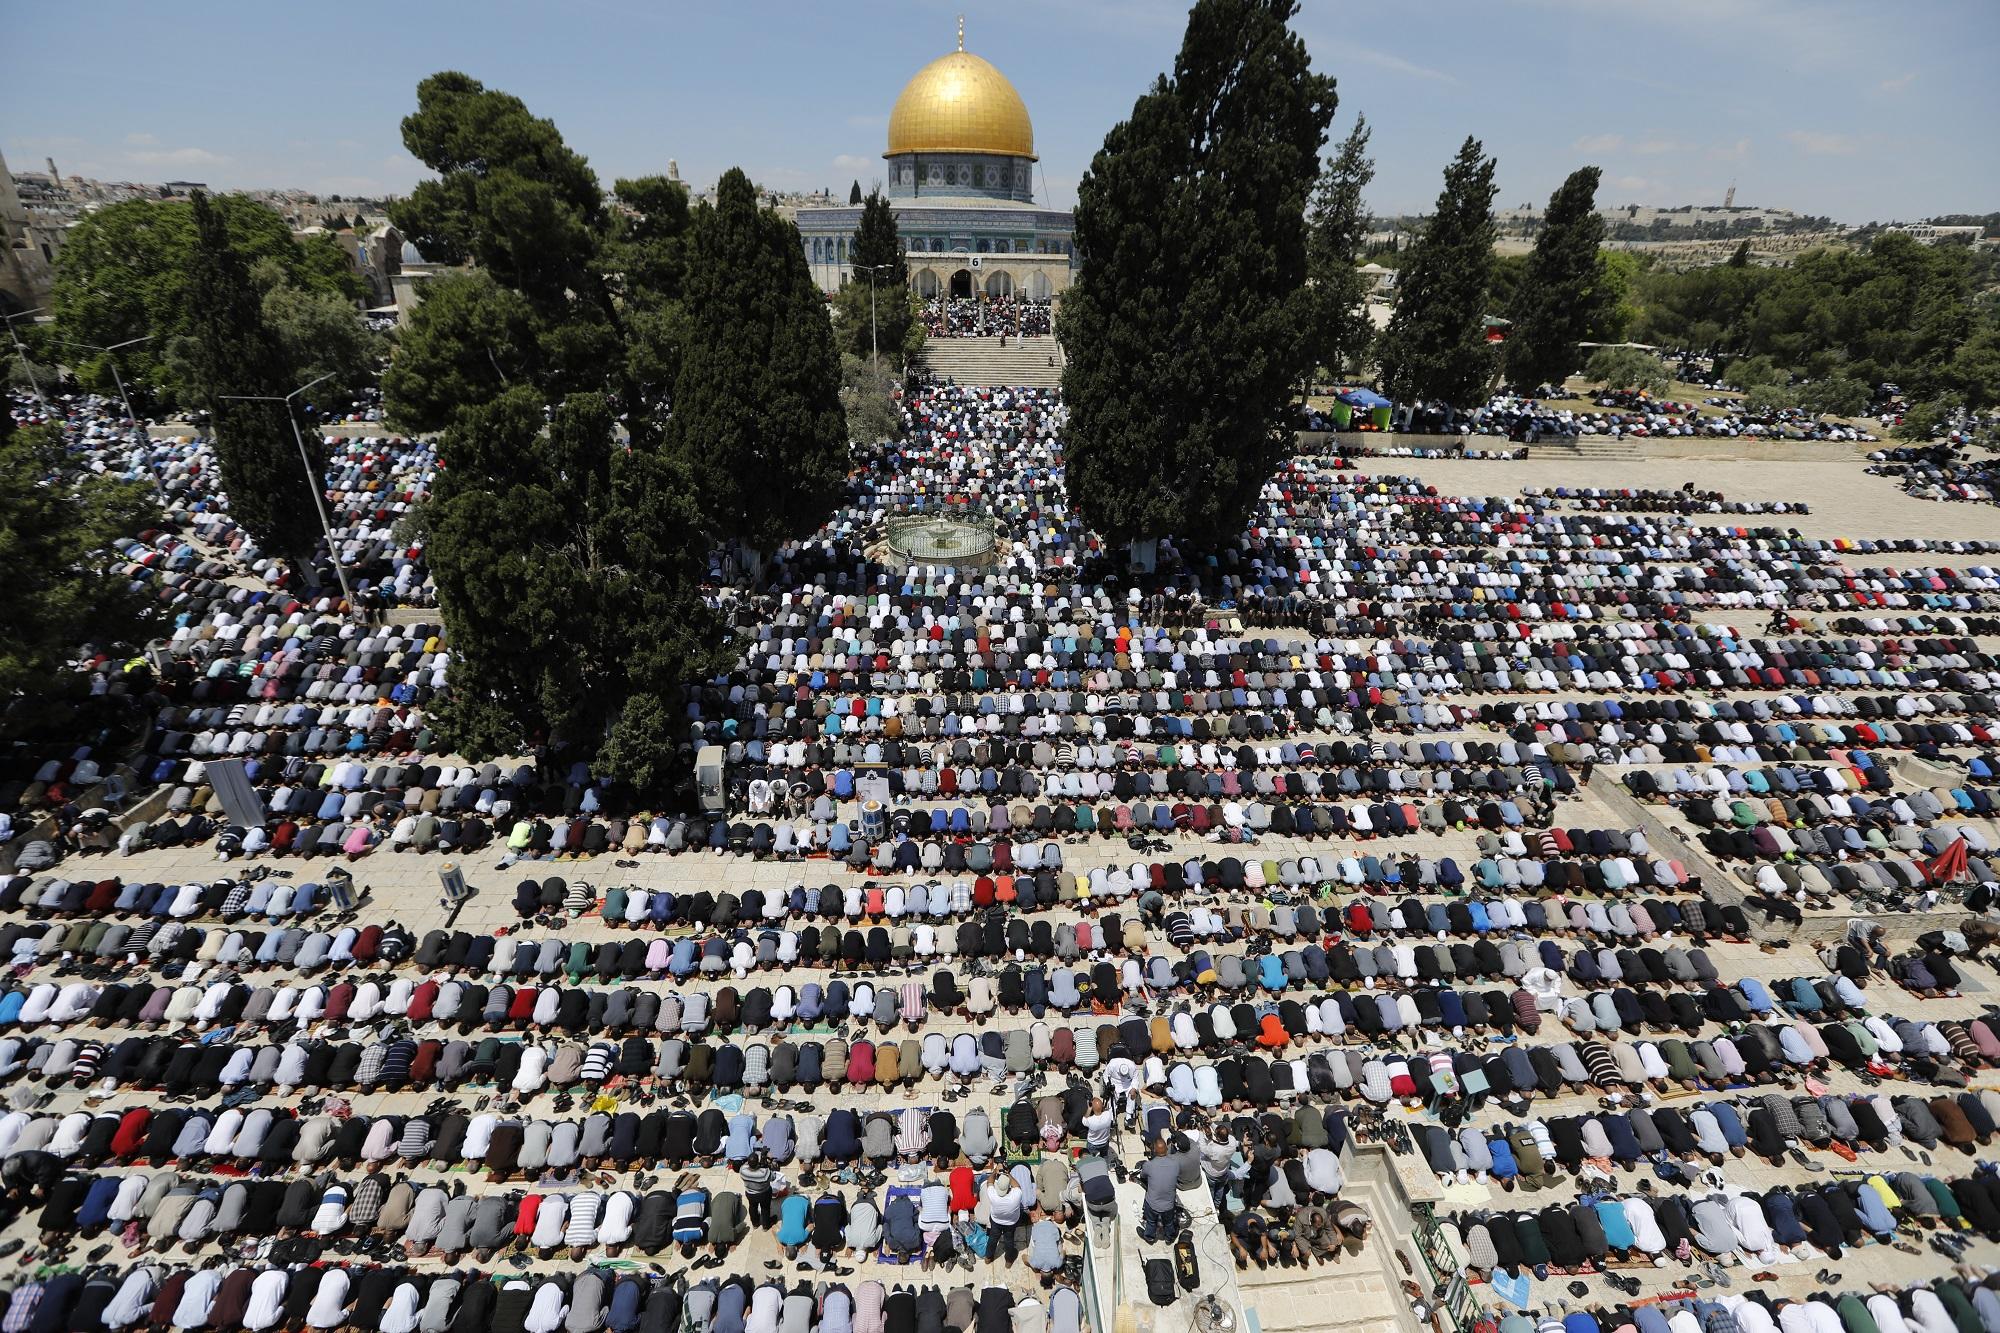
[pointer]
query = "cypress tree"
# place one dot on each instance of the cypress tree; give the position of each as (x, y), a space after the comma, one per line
(232, 352)
(757, 415)
(1562, 291)
(854, 193)
(880, 290)
(1435, 349)
(1339, 222)
(1186, 327)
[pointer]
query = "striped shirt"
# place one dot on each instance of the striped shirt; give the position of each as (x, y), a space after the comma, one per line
(583, 1211)
(416, 1140)
(691, 1217)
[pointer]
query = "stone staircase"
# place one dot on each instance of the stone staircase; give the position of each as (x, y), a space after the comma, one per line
(1596, 448)
(1024, 363)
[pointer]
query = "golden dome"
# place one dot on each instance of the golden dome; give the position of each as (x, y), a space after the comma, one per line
(960, 104)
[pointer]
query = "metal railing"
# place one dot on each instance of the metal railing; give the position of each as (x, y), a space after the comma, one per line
(1458, 1305)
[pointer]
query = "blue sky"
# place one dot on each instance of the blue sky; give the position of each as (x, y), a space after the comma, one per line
(1861, 111)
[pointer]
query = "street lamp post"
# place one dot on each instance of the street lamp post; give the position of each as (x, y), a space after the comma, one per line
(131, 417)
(21, 352)
(874, 352)
(317, 482)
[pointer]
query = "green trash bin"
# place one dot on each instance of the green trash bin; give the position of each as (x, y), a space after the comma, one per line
(1380, 415)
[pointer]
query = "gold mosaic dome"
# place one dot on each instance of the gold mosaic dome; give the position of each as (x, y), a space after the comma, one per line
(960, 104)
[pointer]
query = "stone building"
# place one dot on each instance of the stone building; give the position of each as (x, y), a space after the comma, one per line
(960, 170)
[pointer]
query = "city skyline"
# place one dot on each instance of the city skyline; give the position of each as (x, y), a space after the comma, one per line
(1838, 109)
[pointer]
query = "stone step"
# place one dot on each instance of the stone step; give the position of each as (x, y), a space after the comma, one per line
(1022, 362)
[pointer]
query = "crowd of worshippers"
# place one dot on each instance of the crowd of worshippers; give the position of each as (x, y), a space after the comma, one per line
(1953, 1303)
(373, 483)
(1203, 1008)
(1531, 419)
(984, 316)
(396, 1298)
(1939, 472)
(322, 686)
(1651, 500)
(1728, 1226)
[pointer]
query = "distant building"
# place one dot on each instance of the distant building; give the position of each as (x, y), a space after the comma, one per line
(961, 168)
(376, 254)
(29, 241)
(1926, 233)
(413, 273)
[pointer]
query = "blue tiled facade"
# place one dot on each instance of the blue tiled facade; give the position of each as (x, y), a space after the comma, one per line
(950, 207)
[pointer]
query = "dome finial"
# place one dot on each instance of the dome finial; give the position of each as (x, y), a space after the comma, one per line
(961, 32)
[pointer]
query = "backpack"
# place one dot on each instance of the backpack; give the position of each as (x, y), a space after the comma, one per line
(1160, 1282)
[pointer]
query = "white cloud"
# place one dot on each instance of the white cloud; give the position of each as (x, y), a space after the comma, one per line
(1896, 85)
(853, 162)
(1655, 146)
(177, 157)
(141, 139)
(1397, 65)
(1600, 143)
(1730, 152)
(1640, 185)
(1820, 144)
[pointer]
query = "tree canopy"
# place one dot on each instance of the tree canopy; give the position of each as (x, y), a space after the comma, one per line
(568, 561)
(1338, 221)
(230, 352)
(880, 272)
(757, 417)
(125, 272)
(1435, 348)
(1562, 290)
(57, 521)
(1186, 328)
(1627, 368)
(1898, 312)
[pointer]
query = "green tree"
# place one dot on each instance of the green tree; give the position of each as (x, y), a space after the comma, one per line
(1619, 272)
(1974, 371)
(1835, 396)
(229, 351)
(1563, 288)
(1753, 371)
(318, 334)
(869, 400)
(57, 521)
(757, 416)
(1187, 326)
(881, 272)
(646, 254)
(1508, 270)
(1338, 220)
(1765, 399)
(1435, 347)
(1930, 418)
(1741, 258)
(1627, 368)
(124, 272)
(568, 560)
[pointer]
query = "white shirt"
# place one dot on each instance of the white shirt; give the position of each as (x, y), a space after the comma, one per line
(267, 1300)
(329, 1303)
